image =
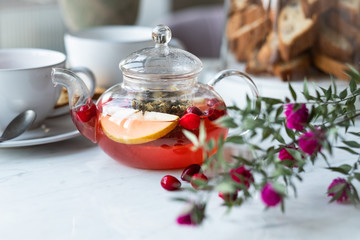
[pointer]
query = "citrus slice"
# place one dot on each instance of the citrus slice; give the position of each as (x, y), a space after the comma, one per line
(135, 127)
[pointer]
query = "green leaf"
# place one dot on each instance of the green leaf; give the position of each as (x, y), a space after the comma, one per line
(279, 111)
(312, 113)
(277, 136)
(355, 193)
(328, 94)
(343, 94)
(211, 144)
(344, 169)
(202, 133)
(338, 190)
(235, 139)
(333, 84)
(357, 176)
(290, 133)
(318, 96)
(272, 101)
(225, 187)
(352, 144)
(227, 122)
(251, 123)
(279, 188)
(266, 133)
(355, 133)
(306, 90)
(293, 93)
(353, 73)
(180, 199)
(352, 85)
(192, 137)
(242, 160)
(295, 154)
(348, 150)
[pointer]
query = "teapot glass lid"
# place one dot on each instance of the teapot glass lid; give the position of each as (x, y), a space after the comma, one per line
(161, 61)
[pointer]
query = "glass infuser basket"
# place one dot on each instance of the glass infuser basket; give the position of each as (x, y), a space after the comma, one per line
(141, 121)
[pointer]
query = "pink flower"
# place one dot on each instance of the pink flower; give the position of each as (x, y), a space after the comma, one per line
(296, 119)
(269, 196)
(194, 215)
(343, 197)
(285, 155)
(242, 175)
(185, 219)
(310, 142)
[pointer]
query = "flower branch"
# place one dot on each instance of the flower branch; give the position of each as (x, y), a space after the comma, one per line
(283, 136)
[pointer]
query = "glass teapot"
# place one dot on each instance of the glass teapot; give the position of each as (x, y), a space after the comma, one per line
(140, 121)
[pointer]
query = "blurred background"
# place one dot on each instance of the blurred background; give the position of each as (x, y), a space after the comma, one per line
(42, 23)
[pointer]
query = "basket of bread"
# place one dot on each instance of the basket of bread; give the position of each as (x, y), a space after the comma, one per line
(294, 39)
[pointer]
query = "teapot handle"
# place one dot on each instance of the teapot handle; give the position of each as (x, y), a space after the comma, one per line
(90, 75)
(92, 85)
(232, 72)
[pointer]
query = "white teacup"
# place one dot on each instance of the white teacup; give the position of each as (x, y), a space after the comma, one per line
(102, 48)
(25, 83)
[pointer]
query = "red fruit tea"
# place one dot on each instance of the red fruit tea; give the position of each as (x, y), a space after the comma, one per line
(171, 151)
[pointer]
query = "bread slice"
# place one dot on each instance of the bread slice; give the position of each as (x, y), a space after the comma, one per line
(247, 37)
(337, 22)
(240, 5)
(330, 65)
(269, 51)
(350, 10)
(253, 66)
(248, 15)
(296, 32)
(333, 44)
(296, 69)
(311, 7)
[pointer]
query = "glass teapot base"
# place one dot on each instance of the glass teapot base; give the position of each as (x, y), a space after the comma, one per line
(169, 152)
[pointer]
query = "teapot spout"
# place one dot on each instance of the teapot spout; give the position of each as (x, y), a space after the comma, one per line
(82, 109)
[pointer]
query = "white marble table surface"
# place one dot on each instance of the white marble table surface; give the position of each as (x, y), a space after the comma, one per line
(72, 190)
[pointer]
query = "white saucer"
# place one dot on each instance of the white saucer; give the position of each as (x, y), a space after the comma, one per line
(53, 129)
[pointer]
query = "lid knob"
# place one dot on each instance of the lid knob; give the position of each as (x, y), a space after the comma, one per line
(161, 34)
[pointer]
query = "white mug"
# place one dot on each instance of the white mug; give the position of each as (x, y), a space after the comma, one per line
(25, 83)
(102, 48)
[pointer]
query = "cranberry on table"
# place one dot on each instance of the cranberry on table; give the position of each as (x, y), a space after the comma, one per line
(170, 183)
(190, 121)
(199, 181)
(86, 112)
(189, 171)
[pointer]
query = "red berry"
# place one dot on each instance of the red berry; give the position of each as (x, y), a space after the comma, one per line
(189, 171)
(194, 110)
(190, 121)
(208, 112)
(86, 112)
(228, 197)
(213, 113)
(216, 109)
(212, 101)
(199, 181)
(170, 183)
(242, 175)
